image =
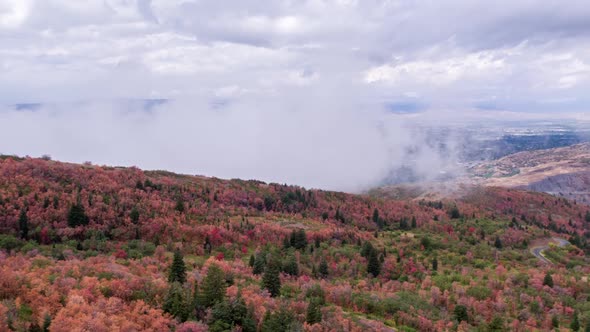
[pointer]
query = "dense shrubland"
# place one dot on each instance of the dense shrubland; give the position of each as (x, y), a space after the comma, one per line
(103, 249)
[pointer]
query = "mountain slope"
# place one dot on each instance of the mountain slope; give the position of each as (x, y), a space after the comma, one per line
(562, 171)
(90, 247)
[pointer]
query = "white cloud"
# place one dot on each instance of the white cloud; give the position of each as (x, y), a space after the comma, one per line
(186, 46)
(438, 72)
(313, 73)
(13, 13)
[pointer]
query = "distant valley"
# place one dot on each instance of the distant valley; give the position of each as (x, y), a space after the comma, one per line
(561, 171)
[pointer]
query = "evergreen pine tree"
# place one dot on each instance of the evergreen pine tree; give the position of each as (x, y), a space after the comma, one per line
(291, 267)
(177, 269)
(548, 280)
(176, 302)
(298, 239)
(434, 264)
(23, 225)
(207, 246)
(323, 269)
(376, 219)
(281, 320)
(259, 264)
(414, 222)
(575, 325)
(214, 286)
(403, 224)
(286, 242)
(46, 323)
(226, 315)
(373, 264)
(367, 249)
(314, 311)
(316, 292)
(251, 261)
(77, 216)
(197, 301)
(134, 215)
(271, 279)
(498, 243)
(454, 213)
(179, 205)
(221, 317)
(497, 324)
(249, 321)
(460, 313)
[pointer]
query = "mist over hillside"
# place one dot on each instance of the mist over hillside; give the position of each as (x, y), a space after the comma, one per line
(461, 146)
(321, 143)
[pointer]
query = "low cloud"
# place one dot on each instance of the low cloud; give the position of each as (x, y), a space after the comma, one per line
(304, 138)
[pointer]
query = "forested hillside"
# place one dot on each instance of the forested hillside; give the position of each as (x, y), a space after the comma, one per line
(95, 248)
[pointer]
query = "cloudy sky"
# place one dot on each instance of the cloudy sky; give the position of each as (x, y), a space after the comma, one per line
(291, 91)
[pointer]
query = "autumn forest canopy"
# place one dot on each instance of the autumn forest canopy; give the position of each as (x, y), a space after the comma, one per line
(97, 248)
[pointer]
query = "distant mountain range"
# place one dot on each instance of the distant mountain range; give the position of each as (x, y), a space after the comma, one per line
(145, 104)
(466, 148)
(563, 171)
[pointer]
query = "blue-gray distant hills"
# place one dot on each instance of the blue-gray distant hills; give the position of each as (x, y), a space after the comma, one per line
(136, 104)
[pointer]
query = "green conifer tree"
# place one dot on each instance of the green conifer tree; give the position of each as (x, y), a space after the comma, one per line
(460, 313)
(281, 320)
(259, 264)
(23, 225)
(575, 324)
(176, 302)
(314, 311)
(179, 205)
(323, 269)
(271, 279)
(498, 243)
(214, 286)
(77, 216)
(134, 215)
(367, 249)
(177, 269)
(291, 267)
(548, 280)
(46, 322)
(373, 264)
(252, 260)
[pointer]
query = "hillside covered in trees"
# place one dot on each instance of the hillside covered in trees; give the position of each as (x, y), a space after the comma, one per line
(96, 248)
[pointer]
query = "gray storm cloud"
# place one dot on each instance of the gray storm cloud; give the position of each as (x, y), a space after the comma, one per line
(288, 91)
